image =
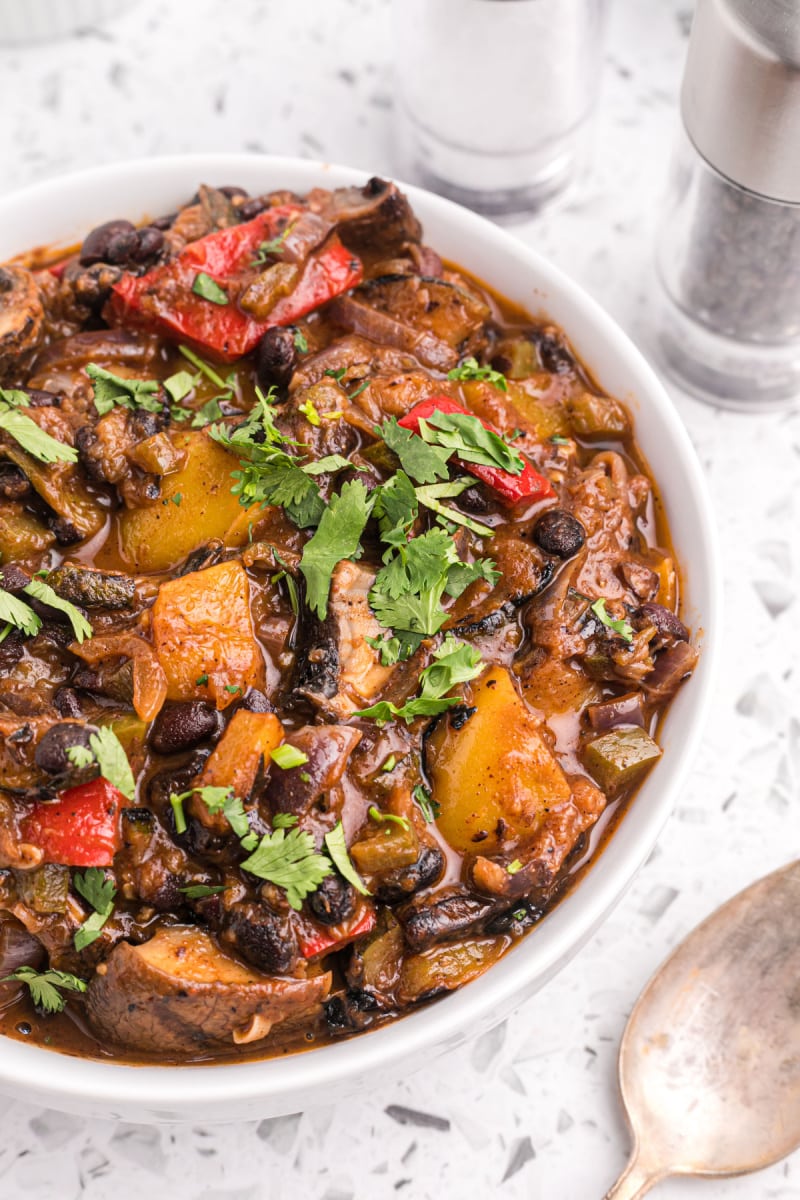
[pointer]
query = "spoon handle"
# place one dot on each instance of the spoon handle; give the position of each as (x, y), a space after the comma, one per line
(635, 1181)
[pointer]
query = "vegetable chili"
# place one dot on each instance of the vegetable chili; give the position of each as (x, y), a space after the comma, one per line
(336, 622)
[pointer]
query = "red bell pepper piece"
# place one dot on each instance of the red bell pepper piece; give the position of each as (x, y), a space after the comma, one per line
(81, 829)
(315, 939)
(163, 298)
(528, 485)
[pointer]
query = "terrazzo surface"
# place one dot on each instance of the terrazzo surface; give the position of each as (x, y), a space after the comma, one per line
(530, 1110)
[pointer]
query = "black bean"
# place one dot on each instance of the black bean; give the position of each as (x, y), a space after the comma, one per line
(12, 649)
(181, 726)
(263, 937)
(111, 242)
(66, 533)
(333, 901)
(13, 578)
(554, 357)
(276, 356)
(558, 532)
(51, 752)
(256, 701)
(39, 398)
(67, 703)
(164, 222)
(349, 1011)
(230, 190)
(667, 624)
(251, 208)
(14, 483)
(149, 243)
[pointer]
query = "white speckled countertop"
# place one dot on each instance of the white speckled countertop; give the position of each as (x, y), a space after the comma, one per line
(531, 1109)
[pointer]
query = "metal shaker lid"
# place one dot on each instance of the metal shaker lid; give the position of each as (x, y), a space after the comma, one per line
(741, 92)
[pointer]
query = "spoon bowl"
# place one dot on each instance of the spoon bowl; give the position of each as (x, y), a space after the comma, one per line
(710, 1059)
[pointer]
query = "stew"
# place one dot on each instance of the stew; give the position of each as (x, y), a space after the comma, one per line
(337, 618)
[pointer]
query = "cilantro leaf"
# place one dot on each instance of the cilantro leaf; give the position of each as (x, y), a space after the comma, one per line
(110, 390)
(43, 592)
(203, 367)
(16, 612)
(389, 649)
(460, 575)
(80, 756)
(623, 628)
(197, 891)
(421, 461)
(113, 761)
(179, 385)
(300, 342)
(290, 861)
(209, 289)
(337, 537)
(45, 986)
(208, 412)
(469, 438)
(336, 846)
(100, 891)
(471, 369)
(223, 799)
(396, 508)
(27, 434)
(455, 662)
(430, 807)
(429, 497)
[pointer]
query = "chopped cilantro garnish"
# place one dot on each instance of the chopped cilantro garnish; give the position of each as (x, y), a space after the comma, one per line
(420, 461)
(514, 867)
(468, 438)
(455, 662)
(107, 751)
(100, 891)
(471, 369)
(336, 846)
(621, 627)
(111, 390)
(430, 807)
(45, 987)
(300, 342)
(179, 385)
(198, 891)
(209, 289)
(290, 861)
(27, 434)
(337, 537)
(201, 680)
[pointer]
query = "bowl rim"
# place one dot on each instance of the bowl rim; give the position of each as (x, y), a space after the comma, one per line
(176, 1093)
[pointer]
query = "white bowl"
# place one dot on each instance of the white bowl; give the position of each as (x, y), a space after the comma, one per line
(62, 210)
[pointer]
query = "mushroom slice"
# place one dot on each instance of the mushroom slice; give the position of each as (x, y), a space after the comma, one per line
(21, 316)
(179, 993)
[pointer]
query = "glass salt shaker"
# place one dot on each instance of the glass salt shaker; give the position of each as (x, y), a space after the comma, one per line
(727, 322)
(492, 97)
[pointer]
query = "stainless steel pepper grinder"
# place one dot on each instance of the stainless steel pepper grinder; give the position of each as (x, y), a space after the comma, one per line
(727, 316)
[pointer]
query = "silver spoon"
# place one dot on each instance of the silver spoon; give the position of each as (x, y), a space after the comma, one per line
(709, 1064)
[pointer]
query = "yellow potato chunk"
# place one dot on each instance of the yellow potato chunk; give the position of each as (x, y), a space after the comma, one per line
(203, 635)
(497, 766)
(196, 505)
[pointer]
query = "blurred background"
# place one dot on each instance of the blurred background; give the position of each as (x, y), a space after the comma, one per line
(530, 1110)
